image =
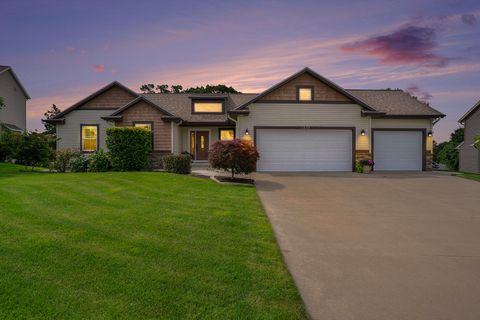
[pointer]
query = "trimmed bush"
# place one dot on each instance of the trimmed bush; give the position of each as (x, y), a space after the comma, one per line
(177, 163)
(358, 167)
(63, 157)
(129, 148)
(99, 162)
(9, 142)
(236, 156)
(79, 163)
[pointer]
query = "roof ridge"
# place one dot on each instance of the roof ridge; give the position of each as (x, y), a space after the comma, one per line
(388, 89)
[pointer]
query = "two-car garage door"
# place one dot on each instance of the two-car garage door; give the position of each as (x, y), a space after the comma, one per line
(304, 150)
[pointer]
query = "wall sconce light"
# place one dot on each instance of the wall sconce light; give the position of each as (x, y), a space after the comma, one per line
(362, 133)
(430, 133)
(246, 132)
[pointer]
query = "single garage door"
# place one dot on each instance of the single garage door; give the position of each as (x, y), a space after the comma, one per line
(398, 150)
(304, 150)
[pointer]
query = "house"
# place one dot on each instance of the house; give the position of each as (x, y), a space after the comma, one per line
(14, 115)
(304, 123)
(468, 154)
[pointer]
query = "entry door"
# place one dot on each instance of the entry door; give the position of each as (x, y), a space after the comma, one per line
(200, 143)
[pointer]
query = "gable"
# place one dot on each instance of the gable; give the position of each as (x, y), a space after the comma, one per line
(321, 91)
(113, 98)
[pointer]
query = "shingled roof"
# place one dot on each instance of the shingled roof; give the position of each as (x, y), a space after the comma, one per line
(395, 102)
(180, 104)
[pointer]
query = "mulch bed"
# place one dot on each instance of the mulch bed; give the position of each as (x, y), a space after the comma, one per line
(235, 180)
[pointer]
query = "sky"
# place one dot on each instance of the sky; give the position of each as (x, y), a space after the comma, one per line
(63, 51)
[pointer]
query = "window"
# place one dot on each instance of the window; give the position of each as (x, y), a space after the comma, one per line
(207, 107)
(227, 134)
(89, 138)
(144, 125)
(305, 93)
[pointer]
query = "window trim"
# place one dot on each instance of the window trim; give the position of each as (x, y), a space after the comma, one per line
(208, 101)
(81, 136)
(306, 87)
(151, 129)
(220, 133)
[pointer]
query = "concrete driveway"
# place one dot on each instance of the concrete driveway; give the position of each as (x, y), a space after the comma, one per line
(381, 246)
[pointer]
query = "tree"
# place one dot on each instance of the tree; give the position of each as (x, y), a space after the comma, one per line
(164, 88)
(447, 153)
(476, 142)
(50, 114)
(34, 149)
(236, 156)
(2, 103)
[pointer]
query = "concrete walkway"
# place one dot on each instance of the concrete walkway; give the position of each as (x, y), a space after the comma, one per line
(381, 246)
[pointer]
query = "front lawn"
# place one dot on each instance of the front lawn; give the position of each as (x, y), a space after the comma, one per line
(471, 176)
(137, 245)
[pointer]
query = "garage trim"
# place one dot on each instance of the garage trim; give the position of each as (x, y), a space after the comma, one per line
(424, 141)
(353, 129)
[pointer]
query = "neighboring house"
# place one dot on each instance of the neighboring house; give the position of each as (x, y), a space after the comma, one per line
(469, 155)
(14, 115)
(304, 123)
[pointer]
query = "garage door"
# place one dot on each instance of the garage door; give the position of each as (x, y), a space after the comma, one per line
(304, 150)
(398, 150)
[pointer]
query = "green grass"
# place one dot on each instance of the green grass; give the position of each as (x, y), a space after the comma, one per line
(137, 245)
(471, 176)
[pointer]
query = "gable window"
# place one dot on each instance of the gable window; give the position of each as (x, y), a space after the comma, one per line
(305, 93)
(207, 107)
(227, 134)
(89, 137)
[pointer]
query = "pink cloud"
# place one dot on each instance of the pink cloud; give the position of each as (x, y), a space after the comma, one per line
(415, 91)
(407, 45)
(99, 68)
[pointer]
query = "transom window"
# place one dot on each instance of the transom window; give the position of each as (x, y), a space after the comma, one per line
(207, 107)
(89, 138)
(305, 93)
(227, 134)
(147, 126)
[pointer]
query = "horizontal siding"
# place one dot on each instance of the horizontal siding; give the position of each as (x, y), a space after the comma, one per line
(321, 115)
(469, 155)
(15, 101)
(69, 133)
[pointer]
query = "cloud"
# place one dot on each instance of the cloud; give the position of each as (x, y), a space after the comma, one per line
(99, 68)
(415, 91)
(408, 45)
(469, 19)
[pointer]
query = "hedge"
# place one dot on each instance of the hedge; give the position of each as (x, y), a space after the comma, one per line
(129, 148)
(177, 163)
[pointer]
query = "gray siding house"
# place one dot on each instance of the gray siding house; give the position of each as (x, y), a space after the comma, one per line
(305, 122)
(469, 155)
(14, 115)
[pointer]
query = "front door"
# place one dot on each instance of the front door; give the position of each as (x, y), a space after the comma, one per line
(199, 144)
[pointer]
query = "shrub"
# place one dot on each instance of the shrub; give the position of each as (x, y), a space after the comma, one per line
(34, 149)
(99, 162)
(236, 156)
(177, 163)
(129, 148)
(358, 167)
(476, 142)
(9, 142)
(79, 163)
(63, 158)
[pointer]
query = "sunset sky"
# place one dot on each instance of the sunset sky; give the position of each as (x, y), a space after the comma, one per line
(63, 51)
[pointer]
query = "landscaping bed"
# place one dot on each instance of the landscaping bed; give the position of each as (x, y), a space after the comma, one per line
(137, 245)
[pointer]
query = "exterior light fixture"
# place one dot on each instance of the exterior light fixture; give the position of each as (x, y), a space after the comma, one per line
(362, 133)
(246, 132)
(430, 133)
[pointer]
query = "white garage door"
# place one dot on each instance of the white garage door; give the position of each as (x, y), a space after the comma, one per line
(304, 150)
(398, 150)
